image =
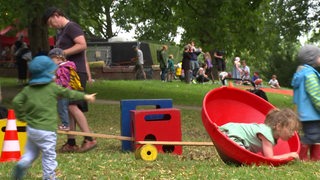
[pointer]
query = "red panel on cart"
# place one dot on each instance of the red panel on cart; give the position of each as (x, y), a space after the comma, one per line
(157, 125)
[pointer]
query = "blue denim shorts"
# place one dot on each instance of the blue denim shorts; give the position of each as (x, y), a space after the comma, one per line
(311, 132)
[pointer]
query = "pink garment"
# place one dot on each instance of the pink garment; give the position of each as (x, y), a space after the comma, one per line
(209, 64)
(63, 73)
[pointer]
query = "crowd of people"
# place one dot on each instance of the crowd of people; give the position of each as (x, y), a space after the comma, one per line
(194, 61)
(199, 67)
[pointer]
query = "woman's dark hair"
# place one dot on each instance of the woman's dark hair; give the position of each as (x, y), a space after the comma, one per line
(51, 11)
(18, 44)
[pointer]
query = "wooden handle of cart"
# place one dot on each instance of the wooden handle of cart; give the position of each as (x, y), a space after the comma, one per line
(106, 136)
(176, 143)
(125, 138)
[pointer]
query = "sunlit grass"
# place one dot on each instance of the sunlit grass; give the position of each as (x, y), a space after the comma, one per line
(108, 161)
(180, 92)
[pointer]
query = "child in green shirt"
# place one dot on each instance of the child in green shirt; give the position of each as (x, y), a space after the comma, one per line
(36, 104)
(262, 137)
(170, 69)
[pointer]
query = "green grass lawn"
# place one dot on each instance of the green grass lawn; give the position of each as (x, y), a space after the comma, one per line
(107, 161)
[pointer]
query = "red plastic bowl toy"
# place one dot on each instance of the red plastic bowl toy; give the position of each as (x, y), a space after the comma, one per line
(228, 104)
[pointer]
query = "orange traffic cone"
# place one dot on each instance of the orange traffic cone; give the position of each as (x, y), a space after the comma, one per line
(230, 84)
(11, 147)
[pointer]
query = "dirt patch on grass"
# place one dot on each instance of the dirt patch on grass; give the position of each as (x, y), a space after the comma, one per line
(279, 91)
(269, 90)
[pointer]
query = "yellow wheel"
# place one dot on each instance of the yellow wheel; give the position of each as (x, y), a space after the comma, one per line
(148, 152)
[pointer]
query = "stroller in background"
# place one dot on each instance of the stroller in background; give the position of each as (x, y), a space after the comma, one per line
(255, 90)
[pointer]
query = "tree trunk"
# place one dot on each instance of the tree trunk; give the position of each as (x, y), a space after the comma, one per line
(38, 37)
(109, 23)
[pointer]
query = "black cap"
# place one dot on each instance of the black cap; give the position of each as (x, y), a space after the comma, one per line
(56, 52)
(48, 13)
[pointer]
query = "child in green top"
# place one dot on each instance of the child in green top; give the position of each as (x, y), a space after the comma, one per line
(262, 137)
(170, 68)
(36, 104)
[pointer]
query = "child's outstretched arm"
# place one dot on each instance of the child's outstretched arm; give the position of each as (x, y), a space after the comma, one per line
(267, 150)
(90, 97)
(267, 147)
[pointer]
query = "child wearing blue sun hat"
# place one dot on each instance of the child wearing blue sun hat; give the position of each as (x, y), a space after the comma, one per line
(36, 104)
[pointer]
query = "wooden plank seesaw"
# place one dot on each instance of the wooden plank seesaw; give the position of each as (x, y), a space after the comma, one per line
(106, 136)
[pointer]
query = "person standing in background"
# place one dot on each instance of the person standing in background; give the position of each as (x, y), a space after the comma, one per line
(209, 70)
(236, 71)
(21, 55)
(170, 69)
(70, 38)
(186, 56)
(219, 61)
(163, 62)
(245, 75)
(139, 69)
(194, 63)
